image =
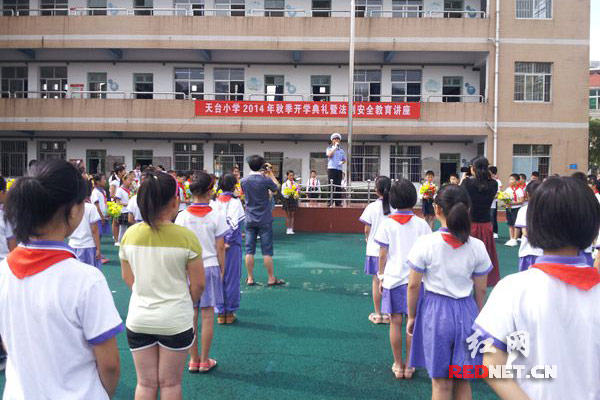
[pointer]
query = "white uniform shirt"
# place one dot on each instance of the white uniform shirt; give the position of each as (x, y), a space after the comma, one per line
(288, 185)
(82, 238)
(372, 216)
(448, 271)
(122, 198)
(134, 209)
(562, 321)
(99, 197)
(314, 185)
(207, 229)
(116, 182)
(49, 322)
(520, 195)
(232, 211)
(399, 239)
(6, 233)
(526, 248)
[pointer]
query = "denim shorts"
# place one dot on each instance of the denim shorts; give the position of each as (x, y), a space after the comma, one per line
(266, 238)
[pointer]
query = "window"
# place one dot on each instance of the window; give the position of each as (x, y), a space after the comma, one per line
(97, 82)
(15, 7)
(100, 4)
(318, 162)
(53, 82)
(188, 156)
(533, 81)
(275, 158)
(277, 6)
(143, 7)
(406, 82)
(321, 8)
(192, 7)
(452, 87)
(407, 8)
(367, 85)
(13, 158)
(365, 162)
(226, 156)
(54, 7)
(50, 150)
(143, 157)
(14, 80)
(405, 162)
(274, 85)
(230, 82)
(453, 8)
(534, 9)
(528, 158)
(594, 99)
(143, 86)
(321, 87)
(231, 8)
(365, 8)
(95, 161)
(189, 81)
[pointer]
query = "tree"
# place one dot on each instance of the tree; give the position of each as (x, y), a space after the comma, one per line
(594, 150)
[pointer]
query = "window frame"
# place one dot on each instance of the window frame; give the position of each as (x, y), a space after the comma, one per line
(446, 97)
(63, 81)
(229, 96)
(397, 12)
(313, 85)
(232, 153)
(7, 164)
(98, 154)
(532, 11)
(196, 12)
(364, 160)
(533, 74)
(44, 154)
(279, 87)
(8, 80)
(365, 7)
(90, 82)
(375, 98)
(531, 156)
(54, 7)
(320, 12)
(399, 152)
(188, 154)
(140, 96)
(596, 97)
(228, 6)
(197, 95)
(406, 97)
(19, 8)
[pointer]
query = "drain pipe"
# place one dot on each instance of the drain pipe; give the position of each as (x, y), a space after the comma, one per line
(496, 81)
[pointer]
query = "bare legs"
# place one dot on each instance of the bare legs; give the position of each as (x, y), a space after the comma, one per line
(268, 261)
(376, 295)
(206, 335)
(448, 389)
(396, 333)
(157, 369)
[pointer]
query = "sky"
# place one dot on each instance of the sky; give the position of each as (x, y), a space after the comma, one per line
(595, 31)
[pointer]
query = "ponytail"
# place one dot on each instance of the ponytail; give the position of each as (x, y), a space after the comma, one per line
(383, 185)
(156, 191)
(455, 203)
(202, 183)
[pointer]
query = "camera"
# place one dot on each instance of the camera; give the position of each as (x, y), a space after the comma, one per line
(465, 169)
(267, 167)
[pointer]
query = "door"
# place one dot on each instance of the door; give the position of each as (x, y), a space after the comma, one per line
(449, 164)
(143, 157)
(96, 161)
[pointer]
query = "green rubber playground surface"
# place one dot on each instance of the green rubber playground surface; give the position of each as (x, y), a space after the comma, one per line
(308, 340)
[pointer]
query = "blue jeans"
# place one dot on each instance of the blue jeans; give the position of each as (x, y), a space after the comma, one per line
(266, 238)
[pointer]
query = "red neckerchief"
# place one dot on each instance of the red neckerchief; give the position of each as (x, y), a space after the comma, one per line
(225, 197)
(450, 239)
(515, 194)
(199, 209)
(128, 191)
(182, 188)
(29, 260)
(402, 218)
(584, 278)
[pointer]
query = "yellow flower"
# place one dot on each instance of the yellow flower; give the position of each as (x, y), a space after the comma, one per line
(113, 209)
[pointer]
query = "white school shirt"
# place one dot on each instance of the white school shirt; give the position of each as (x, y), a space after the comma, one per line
(99, 197)
(399, 239)
(82, 238)
(116, 182)
(495, 202)
(314, 184)
(563, 324)
(232, 211)
(520, 195)
(208, 228)
(6, 233)
(122, 198)
(49, 322)
(288, 185)
(448, 271)
(134, 209)
(526, 248)
(372, 216)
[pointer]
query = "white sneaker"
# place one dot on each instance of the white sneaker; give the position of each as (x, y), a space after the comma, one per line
(288, 231)
(117, 244)
(292, 232)
(512, 243)
(495, 236)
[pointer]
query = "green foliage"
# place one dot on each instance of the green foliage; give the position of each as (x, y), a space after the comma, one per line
(594, 150)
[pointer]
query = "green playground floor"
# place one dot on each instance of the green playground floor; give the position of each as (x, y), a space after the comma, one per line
(309, 340)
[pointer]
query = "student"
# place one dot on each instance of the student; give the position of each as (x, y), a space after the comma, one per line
(527, 253)
(494, 208)
(558, 287)
(396, 236)
(122, 197)
(535, 176)
(98, 199)
(427, 199)
(7, 238)
(522, 181)
(162, 264)
(451, 265)
(372, 217)
(85, 239)
(291, 193)
(57, 317)
(454, 179)
(232, 210)
(114, 182)
(134, 214)
(313, 187)
(183, 197)
(517, 197)
(210, 228)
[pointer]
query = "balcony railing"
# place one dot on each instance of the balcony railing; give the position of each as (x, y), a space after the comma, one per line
(402, 12)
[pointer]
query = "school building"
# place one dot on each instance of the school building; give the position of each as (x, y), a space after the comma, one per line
(595, 93)
(201, 84)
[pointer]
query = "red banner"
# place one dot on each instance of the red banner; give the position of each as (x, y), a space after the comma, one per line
(306, 109)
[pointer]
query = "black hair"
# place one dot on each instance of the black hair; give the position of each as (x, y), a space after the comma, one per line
(312, 170)
(156, 191)
(535, 173)
(581, 176)
(494, 170)
(97, 178)
(202, 183)
(523, 176)
(118, 169)
(430, 172)
(516, 176)
(403, 194)
(455, 203)
(289, 172)
(481, 166)
(227, 183)
(235, 167)
(33, 200)
(255, 162)
(453, 175)
(2, 184)
(383, 185)
(31, 163)
(90, 186)
(563, 212)
(180, 173)
(171, 171)
(532, 187)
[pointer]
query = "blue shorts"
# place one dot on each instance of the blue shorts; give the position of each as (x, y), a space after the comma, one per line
(266, 238)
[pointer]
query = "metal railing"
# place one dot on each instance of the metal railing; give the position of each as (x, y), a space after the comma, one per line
(262, 12)
(33, 94)
(478, 97)
(97, 94)
(161, 95)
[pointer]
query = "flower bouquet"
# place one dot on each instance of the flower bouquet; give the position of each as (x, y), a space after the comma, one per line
(291, 192)
(504, 198)
(113, 209)
(428, 190)
(9, 183)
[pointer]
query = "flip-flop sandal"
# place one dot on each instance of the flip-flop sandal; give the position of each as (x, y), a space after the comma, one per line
(385, 319)
(206, 367)
(398, 371)
(278, 282)
(222, 319)
(193, 368)
(230, 318)
(408, 372)
(250, 283)
(375, 318)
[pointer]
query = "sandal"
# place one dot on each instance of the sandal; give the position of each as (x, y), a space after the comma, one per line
(398, 371)
(193, 367)
(408, 372)
(230, 318)
(222, 319)
(385, 319)
(278, 282)
(375, 318)
(207, 366)
(248, 283)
